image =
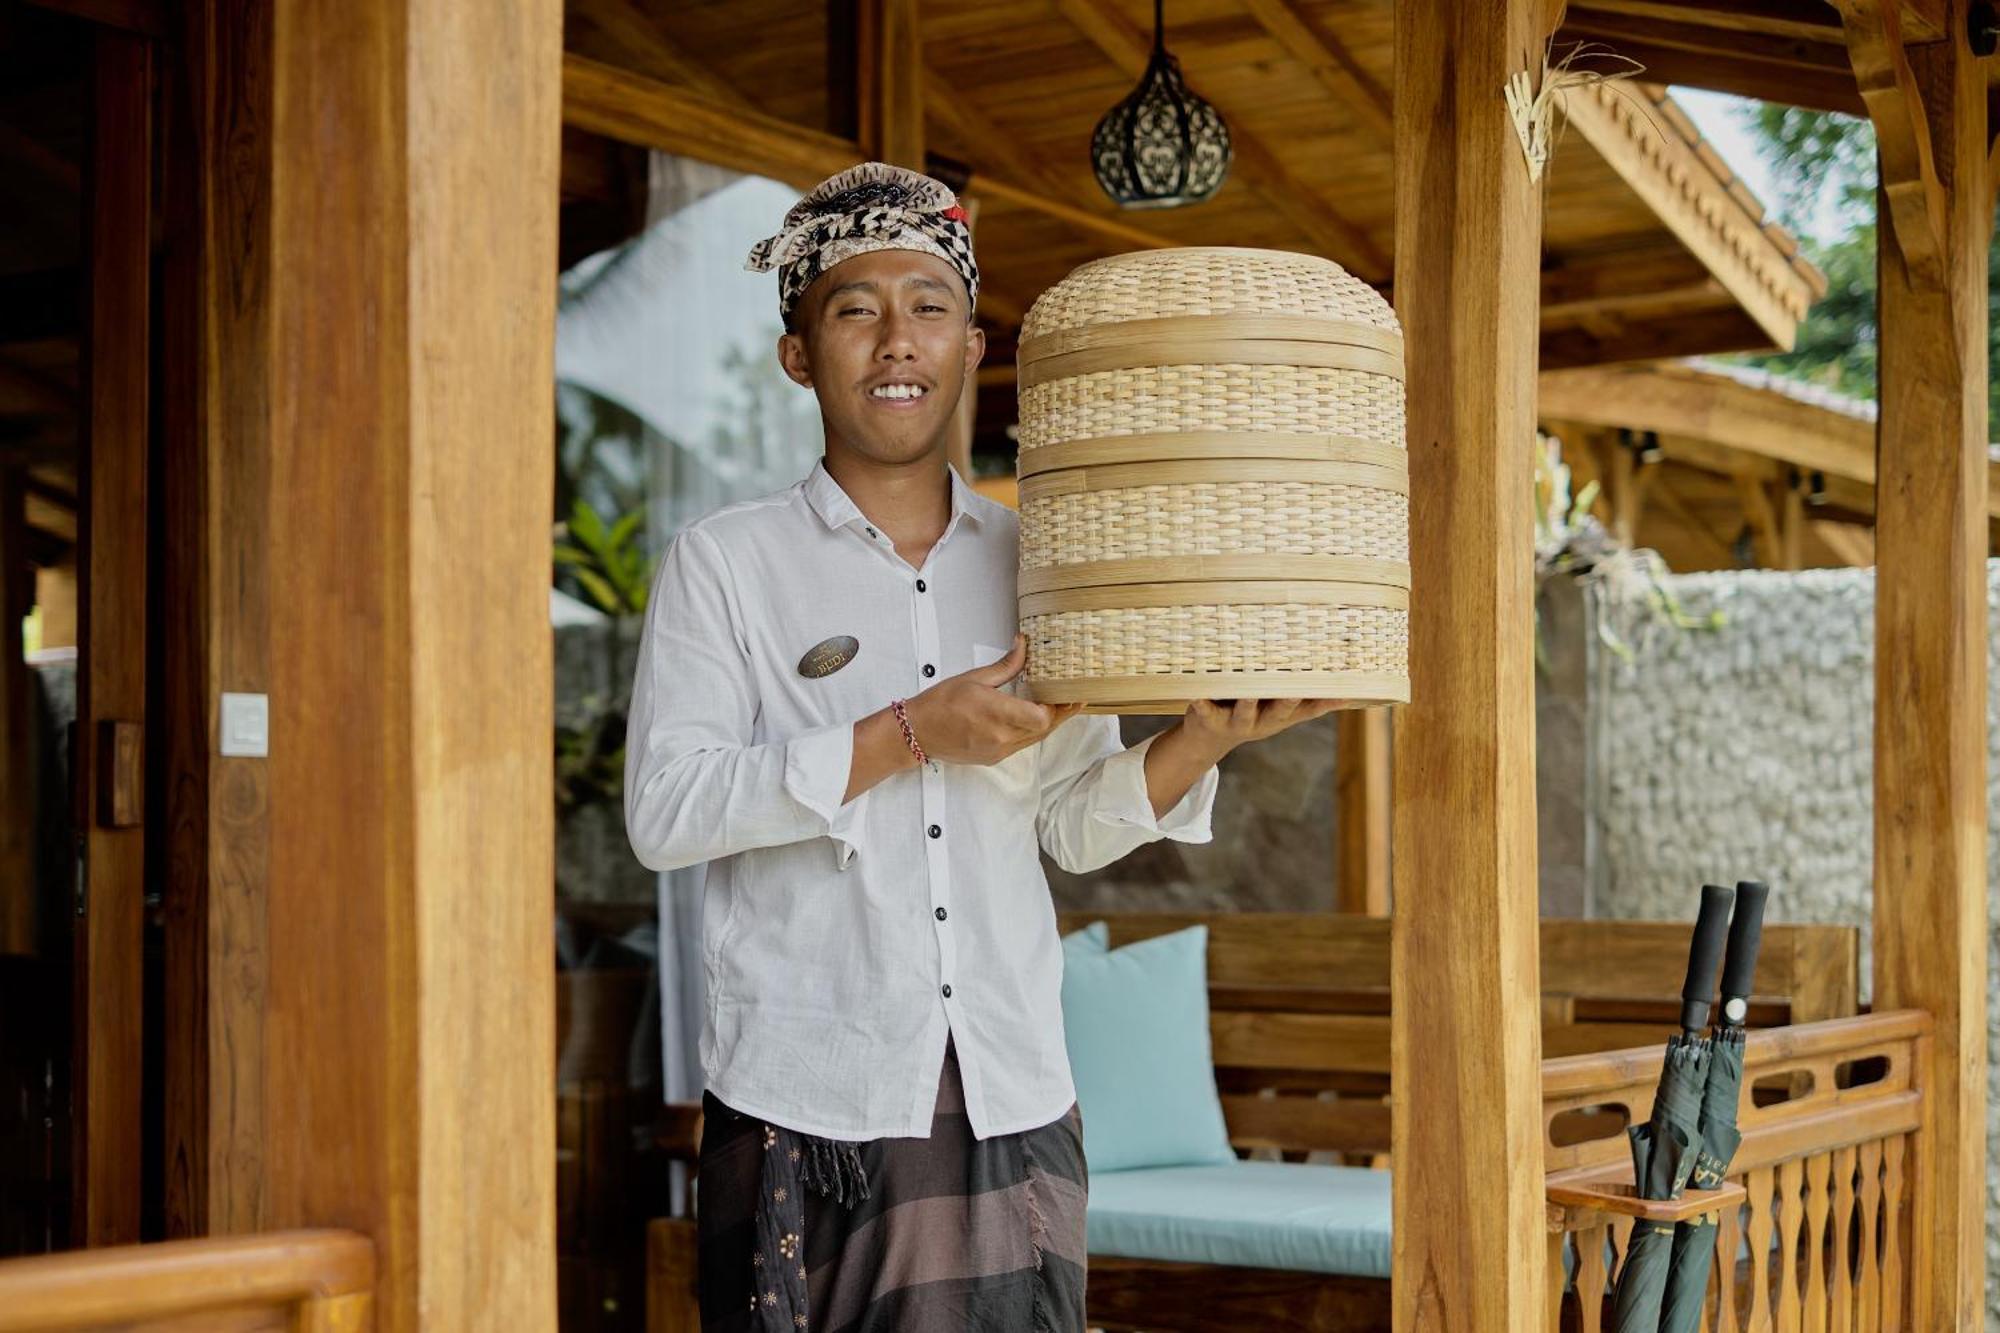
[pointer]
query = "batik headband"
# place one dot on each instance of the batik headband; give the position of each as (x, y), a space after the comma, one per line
(864, 209)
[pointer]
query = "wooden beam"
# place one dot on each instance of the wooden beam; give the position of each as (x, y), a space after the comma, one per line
(1261, 168)
(1909, 171)
(1801, 20)
(1331, 63)
(408, 1038)
(1930, 915)
(606, 100)
(1851, 543)
(890, 81)
(111, 679)
(1469, 1211)
(1778, 50)
(1361, 794)
(1683, 400)
(1625, 282)
(1667, 173)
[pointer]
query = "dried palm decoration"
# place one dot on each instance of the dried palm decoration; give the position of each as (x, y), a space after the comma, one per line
(1534, 111)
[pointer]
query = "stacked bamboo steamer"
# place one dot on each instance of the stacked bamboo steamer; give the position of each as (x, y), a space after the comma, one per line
(1214, 488)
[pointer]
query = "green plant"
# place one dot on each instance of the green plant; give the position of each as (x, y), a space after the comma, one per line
(608, 563)
(1570, 540)
(590, 761)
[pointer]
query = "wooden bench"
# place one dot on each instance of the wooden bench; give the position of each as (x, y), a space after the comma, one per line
(1299, 1025)
(307, 1281)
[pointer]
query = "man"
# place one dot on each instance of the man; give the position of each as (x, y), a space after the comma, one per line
(824, 711)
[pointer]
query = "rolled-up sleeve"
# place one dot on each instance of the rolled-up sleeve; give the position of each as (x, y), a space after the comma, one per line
(1094, 805)
(695, 787)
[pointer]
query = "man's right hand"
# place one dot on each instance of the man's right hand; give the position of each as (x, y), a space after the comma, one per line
(971, 719)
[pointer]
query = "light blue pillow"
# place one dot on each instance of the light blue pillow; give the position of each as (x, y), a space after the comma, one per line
(1136, 1019)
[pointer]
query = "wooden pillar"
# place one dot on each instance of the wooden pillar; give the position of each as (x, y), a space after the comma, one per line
(216, 636)
(1470, 1219)
(1930, 668)
(891, 81)
(1361, 791)
(111, 668)
(374, 267)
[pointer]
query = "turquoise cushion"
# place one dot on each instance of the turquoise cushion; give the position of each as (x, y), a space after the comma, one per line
(1316, 1219)
(1136, 1019)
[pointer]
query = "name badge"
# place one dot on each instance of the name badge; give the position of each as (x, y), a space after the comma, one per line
(828, 656)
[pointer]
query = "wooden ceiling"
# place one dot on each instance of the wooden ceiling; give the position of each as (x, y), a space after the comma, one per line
(1652, 248)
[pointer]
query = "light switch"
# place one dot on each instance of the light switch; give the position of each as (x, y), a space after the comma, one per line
(246, 725)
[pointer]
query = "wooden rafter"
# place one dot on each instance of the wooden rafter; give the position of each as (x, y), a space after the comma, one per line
(712, 122)
(1668, 174)
(1671, 500)
(1263, 169)
(1902, 134)
(1330, 62)
(1003, 173)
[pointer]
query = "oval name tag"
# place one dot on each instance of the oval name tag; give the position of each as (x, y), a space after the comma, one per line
(828, 656)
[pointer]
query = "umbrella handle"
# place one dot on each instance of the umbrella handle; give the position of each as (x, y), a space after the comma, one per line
(1746, 934)
(1711, 927)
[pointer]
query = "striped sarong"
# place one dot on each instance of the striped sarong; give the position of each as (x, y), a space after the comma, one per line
(948, 1234)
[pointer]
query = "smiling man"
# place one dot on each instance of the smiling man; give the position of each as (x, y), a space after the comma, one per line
(824, 711)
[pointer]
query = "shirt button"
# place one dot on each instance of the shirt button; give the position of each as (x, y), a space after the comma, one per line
(947, 990)
(871, 532)
(935, 831)
(921, 585)
(941, 914)
(929, 670)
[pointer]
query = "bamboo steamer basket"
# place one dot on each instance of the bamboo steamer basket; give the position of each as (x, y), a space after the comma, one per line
(1214, 490)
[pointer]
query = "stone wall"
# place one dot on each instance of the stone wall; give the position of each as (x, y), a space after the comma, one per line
(1746, 753)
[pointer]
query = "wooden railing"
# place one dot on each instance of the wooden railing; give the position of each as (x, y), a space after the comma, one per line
(302, 1281)
(1826, 1234)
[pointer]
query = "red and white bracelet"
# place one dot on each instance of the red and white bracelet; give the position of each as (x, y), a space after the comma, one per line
(909, 733)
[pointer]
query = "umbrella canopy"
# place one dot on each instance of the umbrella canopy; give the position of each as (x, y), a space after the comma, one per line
(1693, 1251)
(1664, 1150)
(1694, 1242)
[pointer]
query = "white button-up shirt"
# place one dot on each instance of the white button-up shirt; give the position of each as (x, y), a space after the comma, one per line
(843, 943)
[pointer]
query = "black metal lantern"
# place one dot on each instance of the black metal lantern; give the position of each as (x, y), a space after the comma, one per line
(1162, 146)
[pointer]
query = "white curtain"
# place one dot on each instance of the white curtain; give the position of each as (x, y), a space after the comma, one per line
(672, 329)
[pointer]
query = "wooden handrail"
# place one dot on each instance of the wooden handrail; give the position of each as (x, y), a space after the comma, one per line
(1574, 1074)
(124, 1283)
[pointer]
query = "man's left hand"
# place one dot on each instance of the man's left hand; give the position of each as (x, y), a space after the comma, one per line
(1218, 726)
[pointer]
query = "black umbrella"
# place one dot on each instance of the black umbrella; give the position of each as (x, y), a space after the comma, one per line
(1663, 1149)
(1694, 1242)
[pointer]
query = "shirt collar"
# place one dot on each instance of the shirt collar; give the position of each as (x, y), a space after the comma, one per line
(836, 510)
